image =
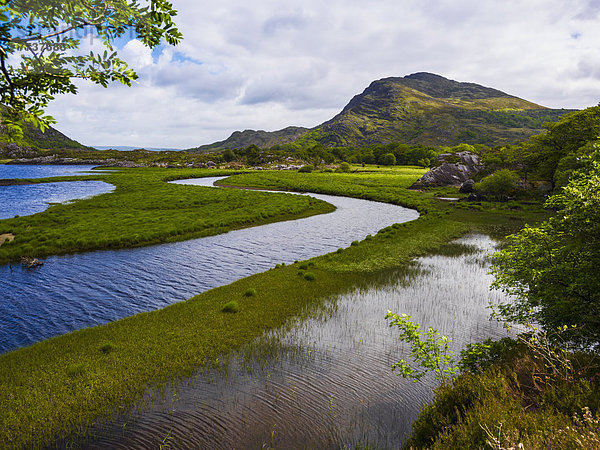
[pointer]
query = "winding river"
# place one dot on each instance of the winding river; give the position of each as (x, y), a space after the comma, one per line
(82, 290)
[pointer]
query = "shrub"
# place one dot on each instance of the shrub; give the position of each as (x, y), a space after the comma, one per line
(354, 243)
(250, 292)
(388, 159)
(499, 185)
(344, 167)
(306, 169)
(231, 307)
(303, 266)
(107, 347)
(309, 276)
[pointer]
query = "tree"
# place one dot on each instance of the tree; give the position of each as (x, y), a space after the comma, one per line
(43, 33)
(228, 155)
(388, 159)
(553, 270)
(499, 185)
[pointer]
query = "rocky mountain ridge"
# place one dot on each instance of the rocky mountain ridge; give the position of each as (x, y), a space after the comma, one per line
(421, 108)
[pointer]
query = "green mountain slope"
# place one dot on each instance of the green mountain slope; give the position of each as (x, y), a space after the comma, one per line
(263, 139)
(424, 108)
(421, 108)
(51, 138)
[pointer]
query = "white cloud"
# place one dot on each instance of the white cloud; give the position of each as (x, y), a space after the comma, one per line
(268, 64)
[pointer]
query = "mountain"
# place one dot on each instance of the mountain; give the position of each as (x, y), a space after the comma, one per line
(260, 138)
(51, 138)
(422, 108)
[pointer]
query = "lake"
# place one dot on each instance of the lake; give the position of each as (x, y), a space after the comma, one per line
(23, 200)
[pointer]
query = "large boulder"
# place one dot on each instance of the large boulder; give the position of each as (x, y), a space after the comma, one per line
(452, 169)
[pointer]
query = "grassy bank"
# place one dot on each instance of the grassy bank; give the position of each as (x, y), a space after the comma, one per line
(144, 209)
(515, 402)
(58, 387)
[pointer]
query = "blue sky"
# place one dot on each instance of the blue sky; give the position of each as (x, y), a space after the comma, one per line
(269, 64)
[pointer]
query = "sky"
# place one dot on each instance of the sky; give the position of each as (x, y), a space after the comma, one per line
(268, 64)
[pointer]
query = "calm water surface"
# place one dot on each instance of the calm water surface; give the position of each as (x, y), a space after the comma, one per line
(326, 382)
(23, 200)
(83, 290)
(41, 171)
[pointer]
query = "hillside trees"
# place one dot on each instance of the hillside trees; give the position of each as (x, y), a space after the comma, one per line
(553, 155)
(42, 34)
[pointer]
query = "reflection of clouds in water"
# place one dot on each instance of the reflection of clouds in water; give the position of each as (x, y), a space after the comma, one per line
(327, 382)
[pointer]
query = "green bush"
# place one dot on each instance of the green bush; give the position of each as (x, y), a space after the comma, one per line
(250, 292)
(231, 307)
(107, 347)
(306, 169)
(499, 185)
(344, 167)
(309, 276)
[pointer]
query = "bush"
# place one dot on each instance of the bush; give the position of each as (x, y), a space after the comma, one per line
(388, 159)
(499, 185)
(309, 276)
(250, 292)
(231, 307)
(344, 167)
(306, 169)
(107, 347)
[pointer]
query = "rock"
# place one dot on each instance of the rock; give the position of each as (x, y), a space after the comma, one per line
(467, 186)
(30, 263)
(453, 170)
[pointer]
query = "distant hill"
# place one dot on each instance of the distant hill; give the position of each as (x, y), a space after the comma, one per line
(128, 148)
(51, 138)
(421, 108)
(260, 138)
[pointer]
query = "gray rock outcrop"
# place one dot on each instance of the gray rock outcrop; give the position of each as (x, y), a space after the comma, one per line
(451, 170)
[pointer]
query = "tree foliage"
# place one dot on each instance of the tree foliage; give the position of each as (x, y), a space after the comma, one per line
(38, 49)
(553, 269)
(499, 185)
(429, 349)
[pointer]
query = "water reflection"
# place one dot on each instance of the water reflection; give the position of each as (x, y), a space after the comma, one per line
(326, 382)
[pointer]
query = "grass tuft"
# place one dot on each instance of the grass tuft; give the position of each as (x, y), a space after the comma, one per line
(231, 307)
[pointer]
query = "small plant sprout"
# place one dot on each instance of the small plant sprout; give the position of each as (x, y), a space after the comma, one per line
(430, 350)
